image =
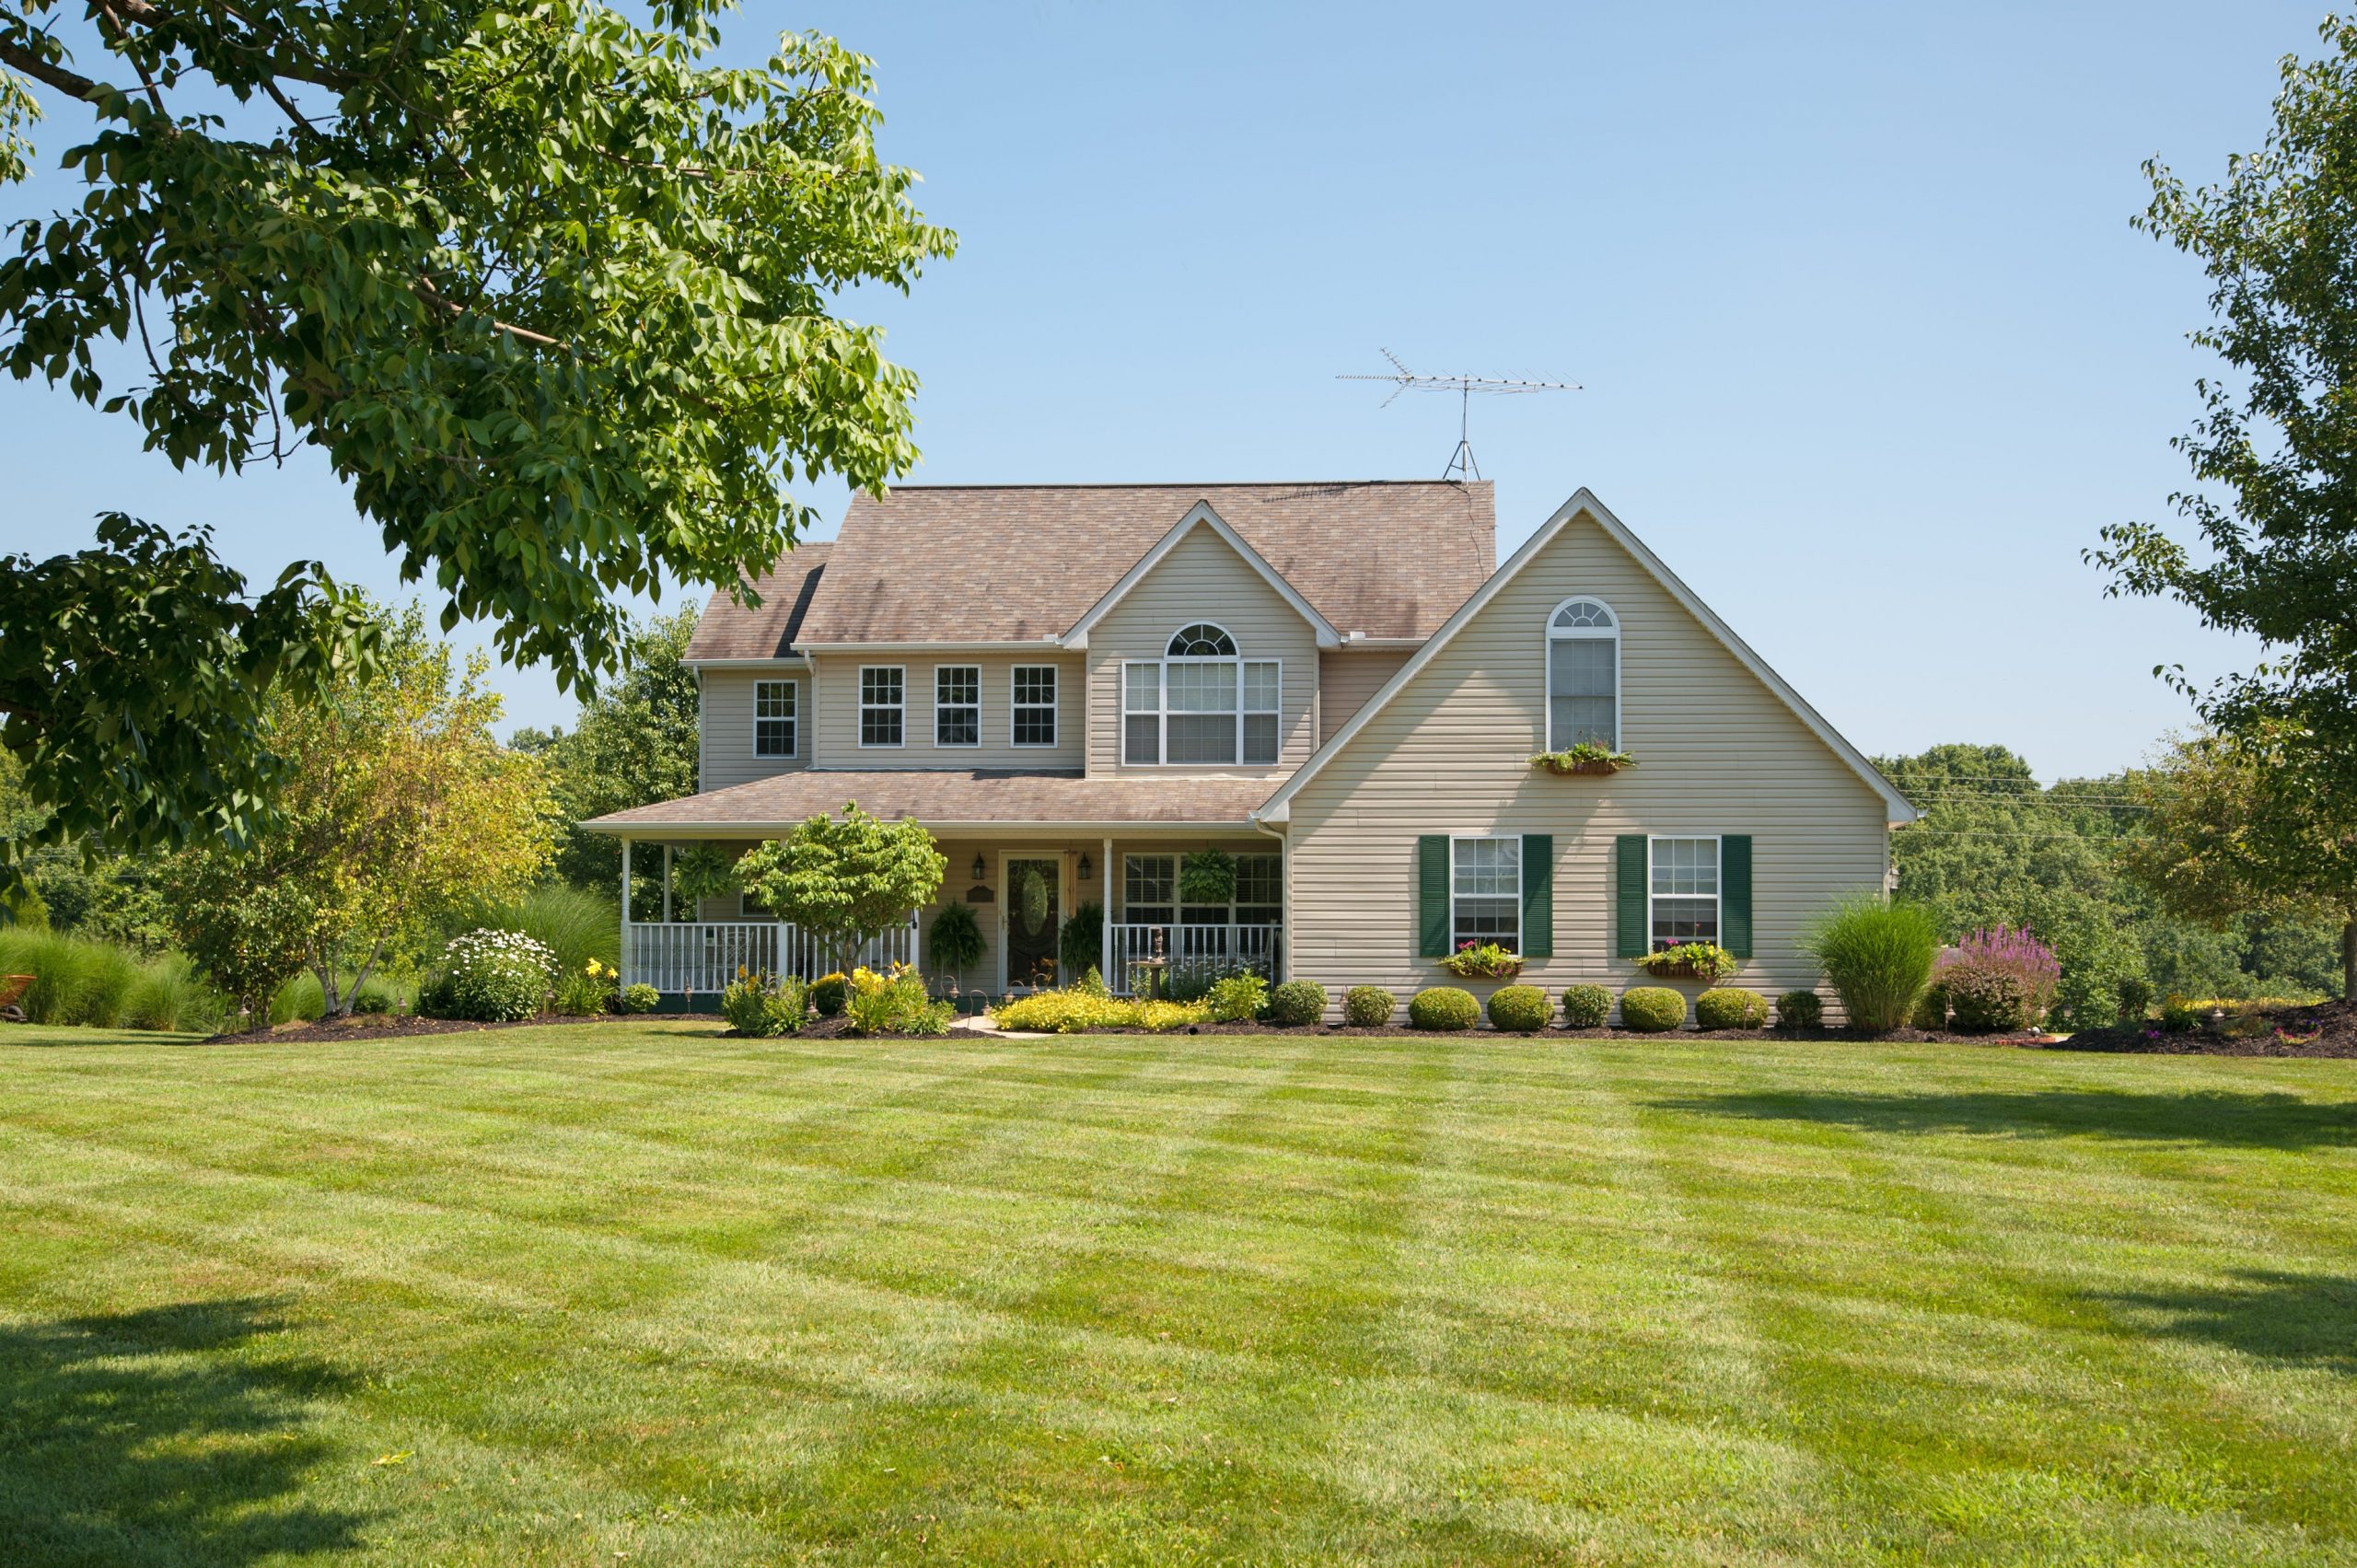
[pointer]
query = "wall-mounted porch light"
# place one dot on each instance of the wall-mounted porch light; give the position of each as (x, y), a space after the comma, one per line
(1087, 868)
(980, 870)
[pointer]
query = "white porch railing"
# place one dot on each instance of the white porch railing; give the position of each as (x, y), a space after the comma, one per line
(703, 956)
(1204, 952)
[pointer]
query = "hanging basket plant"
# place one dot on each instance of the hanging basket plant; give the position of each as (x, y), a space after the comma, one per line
(1207, 876)
(1587, 757)
(1028, 898)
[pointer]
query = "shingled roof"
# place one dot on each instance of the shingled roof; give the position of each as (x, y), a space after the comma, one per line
(729, 631)
(947, 800)
(990, 564)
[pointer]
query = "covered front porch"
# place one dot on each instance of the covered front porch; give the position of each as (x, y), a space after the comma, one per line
(1050, 898)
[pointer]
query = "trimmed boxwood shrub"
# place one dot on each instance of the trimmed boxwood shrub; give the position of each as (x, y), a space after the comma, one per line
(1652, 1010)
(1295, 1002)
(1519, 1008)
(1442, 1007)
(1731, 1007)
(1586, 1006)
(1931, 1011)
(1800, 1010)
(826, 994)
(1369, 1006)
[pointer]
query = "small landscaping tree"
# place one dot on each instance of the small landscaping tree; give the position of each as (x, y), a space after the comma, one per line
(845, 880)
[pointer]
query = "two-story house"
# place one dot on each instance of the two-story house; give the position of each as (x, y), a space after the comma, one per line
(1073, 686)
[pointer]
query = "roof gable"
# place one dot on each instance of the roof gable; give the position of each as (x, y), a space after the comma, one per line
(1024, 563)
(1200, 515)
(1583, 503)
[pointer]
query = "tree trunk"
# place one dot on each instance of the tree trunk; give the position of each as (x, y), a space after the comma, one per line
(2349, 957)
(325, 970)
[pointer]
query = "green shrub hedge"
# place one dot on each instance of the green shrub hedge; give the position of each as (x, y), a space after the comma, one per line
(1586, 1006)
(1652, 1010)
(1800, 1010)
(1731, 1007)
(1369, 1006)
(1295, 1004)
(1519, 1009)
(1442, 1007)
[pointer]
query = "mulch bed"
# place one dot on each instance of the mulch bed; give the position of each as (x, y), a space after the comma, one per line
(388, 1026)
(2328, 1030)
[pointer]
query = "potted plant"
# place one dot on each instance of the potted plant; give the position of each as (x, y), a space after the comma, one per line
(1482, 960)
(1587, 757)
(1207, 876)
(1690, 961)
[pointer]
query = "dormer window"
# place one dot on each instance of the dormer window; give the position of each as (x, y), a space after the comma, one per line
(1583, 675)
(1201, 705)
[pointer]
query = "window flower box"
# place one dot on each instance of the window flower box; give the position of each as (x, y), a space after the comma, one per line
(1690, 961)
(1482, 960)
(1585, 758)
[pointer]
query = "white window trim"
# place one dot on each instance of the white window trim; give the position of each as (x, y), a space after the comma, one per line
(1582, 634)
(1455, 839)
(1161, 710)
(1054, 706)
(1718, 881)
(792, 753)
(1129, 856)
(859, 697)
(977, 705)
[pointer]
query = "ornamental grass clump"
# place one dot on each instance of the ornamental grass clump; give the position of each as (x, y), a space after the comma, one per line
(1586, 1006)
(1369, 1006)
(1999, 978)
(1878, 956)
(490, 977)
(1518, 1009)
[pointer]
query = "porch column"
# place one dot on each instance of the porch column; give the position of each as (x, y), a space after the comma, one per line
(628, 977)
(667, 884)
(1117, 981)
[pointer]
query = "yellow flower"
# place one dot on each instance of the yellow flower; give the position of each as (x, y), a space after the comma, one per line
(593, 967)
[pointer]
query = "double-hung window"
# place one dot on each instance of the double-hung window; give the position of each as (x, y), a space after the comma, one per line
(1149, 889)
(1200, 706)
(1034, 720)
(883, 704)
(1485, 892)
(1259, 889)
(1582, 676)
(1685, 892)
(956, 705)
(776, 717)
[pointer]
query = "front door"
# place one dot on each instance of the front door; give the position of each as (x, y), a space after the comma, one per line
(1033, 916)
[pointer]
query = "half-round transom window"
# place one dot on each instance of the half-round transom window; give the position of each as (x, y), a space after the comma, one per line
(1202, 639)
(1583, 615)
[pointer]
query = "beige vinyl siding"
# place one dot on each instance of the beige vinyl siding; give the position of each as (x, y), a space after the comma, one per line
(1347, 679)
(1203, 579)
(837, 711)
(1718, 753)
(724, 727)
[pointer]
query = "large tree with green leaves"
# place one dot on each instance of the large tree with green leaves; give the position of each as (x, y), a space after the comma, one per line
(2274, 455)
(845, 880)
(553, 296)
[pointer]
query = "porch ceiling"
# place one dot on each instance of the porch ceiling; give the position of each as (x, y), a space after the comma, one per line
(950, 801)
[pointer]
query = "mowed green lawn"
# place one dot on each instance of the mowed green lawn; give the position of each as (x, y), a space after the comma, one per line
(644, 1294)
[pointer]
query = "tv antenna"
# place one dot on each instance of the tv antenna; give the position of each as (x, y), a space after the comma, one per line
(1460, 463)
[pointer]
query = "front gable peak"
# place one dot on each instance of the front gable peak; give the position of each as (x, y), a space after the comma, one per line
(1201, 515)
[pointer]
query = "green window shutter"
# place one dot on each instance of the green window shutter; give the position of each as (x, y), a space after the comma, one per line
(1538, 895)
(1734, 893)
(1432, 895)
(1629, 887)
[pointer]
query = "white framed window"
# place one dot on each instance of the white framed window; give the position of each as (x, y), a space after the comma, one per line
(1259, 889)
(777, 718)
(1485, 891)
(1583, 675)
(883, 704)
(956, 705)
(1149, 889)
(1201, 704)
(1683, 902)
(1032, 720)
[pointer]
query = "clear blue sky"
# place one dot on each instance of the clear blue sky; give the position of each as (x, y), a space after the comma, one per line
(1869, 348)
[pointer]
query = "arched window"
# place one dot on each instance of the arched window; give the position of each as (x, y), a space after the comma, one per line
(1202, 639)
(1202, 704)
(1583, 675)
